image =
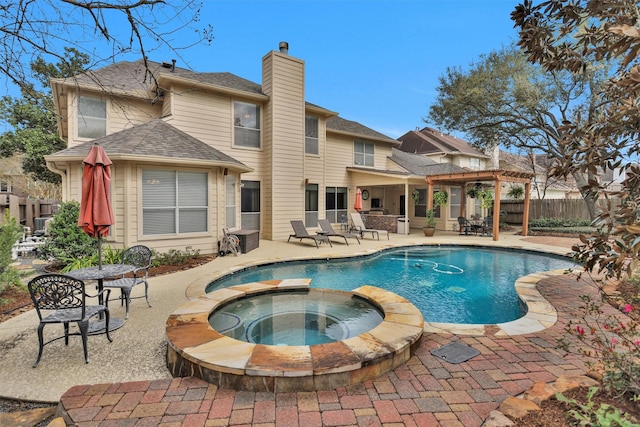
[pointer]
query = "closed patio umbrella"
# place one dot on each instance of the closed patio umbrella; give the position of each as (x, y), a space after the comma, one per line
(358, 204)
(95, 207)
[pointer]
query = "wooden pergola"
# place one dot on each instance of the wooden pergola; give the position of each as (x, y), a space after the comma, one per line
(495, 176)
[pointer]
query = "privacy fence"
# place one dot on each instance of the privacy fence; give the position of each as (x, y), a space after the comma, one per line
(29, 212)
(544, 208)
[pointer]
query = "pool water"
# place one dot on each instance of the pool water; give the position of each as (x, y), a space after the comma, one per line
(296, 317)
(448, 284)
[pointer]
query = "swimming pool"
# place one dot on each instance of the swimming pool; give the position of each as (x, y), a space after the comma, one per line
(449, 284)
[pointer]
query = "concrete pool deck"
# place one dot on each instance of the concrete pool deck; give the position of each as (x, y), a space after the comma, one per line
(127, 381)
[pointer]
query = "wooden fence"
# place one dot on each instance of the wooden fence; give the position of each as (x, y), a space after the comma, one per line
(544, 208)
(29, 212)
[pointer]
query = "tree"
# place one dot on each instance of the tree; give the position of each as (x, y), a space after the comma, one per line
(32, 118)
(102, 30)
(32, 33)
(504, 100)
(568, 35)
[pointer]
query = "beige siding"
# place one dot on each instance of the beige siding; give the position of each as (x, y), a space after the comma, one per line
(285, 113)
(122, 113)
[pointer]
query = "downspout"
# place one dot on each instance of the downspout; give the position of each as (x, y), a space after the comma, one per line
(63, 173)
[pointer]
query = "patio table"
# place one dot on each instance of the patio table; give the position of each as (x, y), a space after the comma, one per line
(99, 274)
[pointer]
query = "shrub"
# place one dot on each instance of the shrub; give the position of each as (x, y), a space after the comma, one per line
(613, 340)
(66, 241)
(559, 222)
(10, 232)
(586, 414)
(174, 256)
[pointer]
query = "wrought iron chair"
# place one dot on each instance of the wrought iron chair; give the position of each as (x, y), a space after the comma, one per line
(140, 257)
(62, 299)
(465, 226)
(487, 226)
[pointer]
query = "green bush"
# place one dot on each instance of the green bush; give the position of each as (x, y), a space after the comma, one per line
(174, 256)
(564, 230)
(10, 232)
(559, 222)
(66, 241)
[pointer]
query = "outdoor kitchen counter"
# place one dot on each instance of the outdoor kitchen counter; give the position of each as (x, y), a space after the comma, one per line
(382, 222)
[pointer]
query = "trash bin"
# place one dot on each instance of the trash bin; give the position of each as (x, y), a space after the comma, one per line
(403, 225)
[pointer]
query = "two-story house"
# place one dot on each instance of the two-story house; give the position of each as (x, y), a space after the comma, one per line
(195, 152)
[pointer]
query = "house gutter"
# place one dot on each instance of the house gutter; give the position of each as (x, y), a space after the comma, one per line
(53, 166)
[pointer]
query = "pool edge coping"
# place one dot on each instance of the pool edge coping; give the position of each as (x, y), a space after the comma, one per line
(197, 347)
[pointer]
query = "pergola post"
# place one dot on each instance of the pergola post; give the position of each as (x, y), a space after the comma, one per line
(525, 213)
(496, 210)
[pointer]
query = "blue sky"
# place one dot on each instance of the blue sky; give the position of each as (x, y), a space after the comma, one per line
(375, 62)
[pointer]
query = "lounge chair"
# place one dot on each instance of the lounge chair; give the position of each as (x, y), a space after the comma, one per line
(327, 230)
(358, 225)
(301, 233)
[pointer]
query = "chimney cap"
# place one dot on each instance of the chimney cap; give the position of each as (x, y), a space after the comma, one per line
(284, 47)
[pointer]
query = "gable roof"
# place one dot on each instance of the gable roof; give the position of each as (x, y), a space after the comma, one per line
(337, 124)
(417, 164)
(430, 141)
(156, 140)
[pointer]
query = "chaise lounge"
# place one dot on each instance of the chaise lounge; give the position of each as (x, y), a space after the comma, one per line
(301, 233)
(358, 225)
(327, 230)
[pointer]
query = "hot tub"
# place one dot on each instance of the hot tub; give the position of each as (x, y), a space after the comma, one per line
(195, 348)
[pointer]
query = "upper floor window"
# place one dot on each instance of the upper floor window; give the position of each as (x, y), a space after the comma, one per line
(174, 202)
(311, 135)
(362, 153)
(474, 163)
(92, 117)
(246, 124)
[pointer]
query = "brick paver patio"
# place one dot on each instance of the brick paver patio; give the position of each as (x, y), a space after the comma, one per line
(426, 391)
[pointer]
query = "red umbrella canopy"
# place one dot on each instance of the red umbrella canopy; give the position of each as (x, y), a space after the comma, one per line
(358, 204)
(95, 208)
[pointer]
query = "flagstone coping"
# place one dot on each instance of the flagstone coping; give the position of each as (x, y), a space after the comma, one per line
(196, 349)
(540, 313)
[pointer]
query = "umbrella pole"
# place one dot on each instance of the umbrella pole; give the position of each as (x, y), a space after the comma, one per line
(99, 253)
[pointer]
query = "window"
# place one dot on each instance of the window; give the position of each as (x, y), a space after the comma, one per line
(311, 135)
(230, 201)
(246, 124)
(363, 153)
(174, 202)
(474, 163)
(250, 205)
(92, 117)
(336, 206)
(5, 186)
(455, 198)
(311, 205)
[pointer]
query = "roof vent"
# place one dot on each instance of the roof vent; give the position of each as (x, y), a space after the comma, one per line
(171, 66)
(284, 47)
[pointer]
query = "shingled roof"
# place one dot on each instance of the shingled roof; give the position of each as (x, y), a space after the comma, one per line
(427, 140)
(156, 139)
(340, 125)
(417, 164)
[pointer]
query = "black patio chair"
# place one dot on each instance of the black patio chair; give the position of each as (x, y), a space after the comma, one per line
(63, 299)
(465, 226)
(140, 257)
(487, 226)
